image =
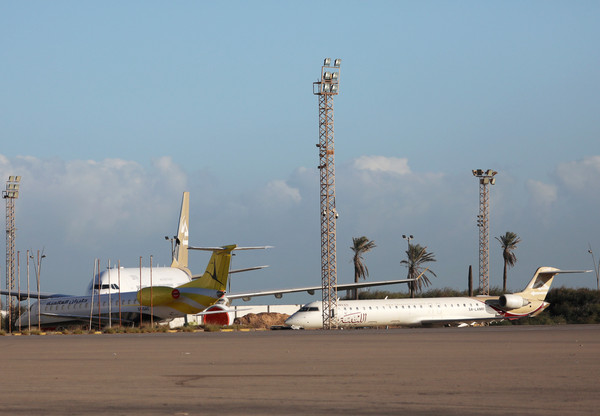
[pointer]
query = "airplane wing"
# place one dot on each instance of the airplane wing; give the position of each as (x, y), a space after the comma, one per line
(86, 318)
(33, 295)
(312, 289)
(225, 310)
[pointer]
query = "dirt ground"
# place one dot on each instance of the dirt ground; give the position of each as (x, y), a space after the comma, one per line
(523, 370)
(262, 320)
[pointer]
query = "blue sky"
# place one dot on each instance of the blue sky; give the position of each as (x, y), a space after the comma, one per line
(109, 111)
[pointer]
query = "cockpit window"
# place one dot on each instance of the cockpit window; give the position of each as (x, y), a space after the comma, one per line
(309, 309)
(105, 286)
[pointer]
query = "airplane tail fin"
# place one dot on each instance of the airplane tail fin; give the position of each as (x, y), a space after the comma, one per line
(197, 294)
(531, 301)
(180, 254)
(217, 271)
(538, 287)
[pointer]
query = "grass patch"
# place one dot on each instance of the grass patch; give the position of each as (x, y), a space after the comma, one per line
(32, 332)
(188, 328)
(212, 328)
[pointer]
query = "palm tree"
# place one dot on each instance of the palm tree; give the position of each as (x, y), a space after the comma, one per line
(508, 242)
(417, 257)
(360, 246)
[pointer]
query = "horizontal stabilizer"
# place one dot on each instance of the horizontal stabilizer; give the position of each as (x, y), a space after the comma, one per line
(221, 248)
(248, 269)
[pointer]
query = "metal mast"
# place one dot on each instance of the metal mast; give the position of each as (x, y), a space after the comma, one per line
(326, 88)
(10, 194)
(486, 177)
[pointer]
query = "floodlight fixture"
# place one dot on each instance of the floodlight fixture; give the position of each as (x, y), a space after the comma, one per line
(327, 61)
(337, 62)
(408, 238)
(335, 75)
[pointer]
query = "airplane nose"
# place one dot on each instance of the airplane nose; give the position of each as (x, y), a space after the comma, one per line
(293, 320)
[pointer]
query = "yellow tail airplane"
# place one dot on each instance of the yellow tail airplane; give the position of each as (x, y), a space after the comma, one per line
(159, 302)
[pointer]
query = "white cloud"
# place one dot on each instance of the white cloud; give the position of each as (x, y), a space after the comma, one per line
(170, 174)
(383, 164)
(280, 191)
(120, 209)
(580, 176)
(542, 194)
(91, 197)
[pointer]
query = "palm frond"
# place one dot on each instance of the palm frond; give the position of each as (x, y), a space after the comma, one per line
(417, 257)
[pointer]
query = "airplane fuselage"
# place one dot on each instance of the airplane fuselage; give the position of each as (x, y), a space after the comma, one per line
(100, 309)
(131, 279)
(113, 284)
(410, 312)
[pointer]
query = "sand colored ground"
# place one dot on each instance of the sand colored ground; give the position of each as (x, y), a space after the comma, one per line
(262, 320)
(445, 371)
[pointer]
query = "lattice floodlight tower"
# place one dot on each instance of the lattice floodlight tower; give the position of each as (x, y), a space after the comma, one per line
(10, 194)
(486, 178)
(326, 88)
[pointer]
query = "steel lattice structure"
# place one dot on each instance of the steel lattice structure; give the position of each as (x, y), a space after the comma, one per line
(10, 194)
(326, 88)
(486, 178)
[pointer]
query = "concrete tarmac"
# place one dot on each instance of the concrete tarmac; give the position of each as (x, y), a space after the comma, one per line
(524, 370)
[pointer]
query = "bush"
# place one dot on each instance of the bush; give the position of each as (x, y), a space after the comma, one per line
(574, 306)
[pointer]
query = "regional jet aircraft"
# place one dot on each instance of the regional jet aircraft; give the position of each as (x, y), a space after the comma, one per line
(435, 311)
(133, 295)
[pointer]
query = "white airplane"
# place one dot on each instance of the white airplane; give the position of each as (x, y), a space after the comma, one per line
(133, 295)
(435, 311)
